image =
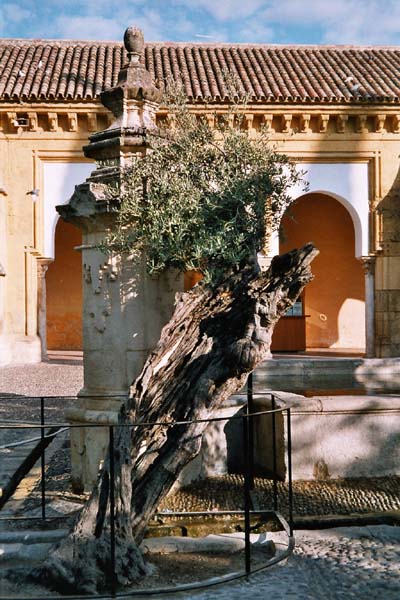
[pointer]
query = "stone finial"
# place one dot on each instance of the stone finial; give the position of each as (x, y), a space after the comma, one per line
(134, 43)
(133, 102)
(134, 80)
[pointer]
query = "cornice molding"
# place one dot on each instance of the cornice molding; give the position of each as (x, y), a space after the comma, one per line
(279, 120)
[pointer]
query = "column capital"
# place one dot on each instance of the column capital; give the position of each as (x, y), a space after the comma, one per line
(133, 102)
(368, 262)
(43, 265)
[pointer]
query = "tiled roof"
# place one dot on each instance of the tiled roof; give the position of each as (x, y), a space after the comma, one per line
(35, 70)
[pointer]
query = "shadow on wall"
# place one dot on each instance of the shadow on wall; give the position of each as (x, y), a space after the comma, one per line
(263, 447)
(387, 294)
(332, 438)
(345, 437)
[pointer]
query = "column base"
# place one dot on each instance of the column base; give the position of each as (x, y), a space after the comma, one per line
(89, 444)
(19, 349)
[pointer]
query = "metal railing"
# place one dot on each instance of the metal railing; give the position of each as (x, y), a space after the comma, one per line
(248, 511)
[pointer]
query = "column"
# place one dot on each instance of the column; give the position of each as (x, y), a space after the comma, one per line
(368, 263)
(43, 265)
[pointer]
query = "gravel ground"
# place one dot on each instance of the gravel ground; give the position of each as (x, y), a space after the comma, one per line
(59, 377)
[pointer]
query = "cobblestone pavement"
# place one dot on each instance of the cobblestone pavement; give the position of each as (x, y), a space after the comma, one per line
(336, 497)
(336, 564)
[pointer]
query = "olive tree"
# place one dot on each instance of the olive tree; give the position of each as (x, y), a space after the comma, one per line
(204, 199)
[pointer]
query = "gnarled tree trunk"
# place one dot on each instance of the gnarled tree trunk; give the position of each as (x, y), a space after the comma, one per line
(214, 339)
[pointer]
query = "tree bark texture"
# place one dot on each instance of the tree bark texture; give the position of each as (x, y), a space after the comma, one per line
(214, 339)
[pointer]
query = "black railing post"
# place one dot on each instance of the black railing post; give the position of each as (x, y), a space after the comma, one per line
(289, 450)
(112, 509)
(247, 498)
(250, 410)
(274, 461)
(42, 461)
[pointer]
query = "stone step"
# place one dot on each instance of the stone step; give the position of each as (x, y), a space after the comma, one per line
(301, 365)
(339, 373)
(12, 460)
(302, 373)
(28, 545)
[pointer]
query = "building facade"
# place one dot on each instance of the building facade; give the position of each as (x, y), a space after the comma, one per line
(334, 110)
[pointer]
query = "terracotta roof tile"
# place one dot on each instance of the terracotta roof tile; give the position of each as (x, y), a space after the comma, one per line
(34, 70)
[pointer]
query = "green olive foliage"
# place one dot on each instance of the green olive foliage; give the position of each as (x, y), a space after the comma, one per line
(203, 198)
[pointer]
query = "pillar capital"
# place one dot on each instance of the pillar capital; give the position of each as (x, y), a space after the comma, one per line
(133, 103)
(368, 262)
(124, 309)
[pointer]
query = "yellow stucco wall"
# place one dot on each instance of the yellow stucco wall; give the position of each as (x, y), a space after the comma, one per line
(23, 152)
(369, 140)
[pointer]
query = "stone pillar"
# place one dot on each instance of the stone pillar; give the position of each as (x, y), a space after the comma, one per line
(43, 265)
(4, 348)
(368, 263)
(123, 308)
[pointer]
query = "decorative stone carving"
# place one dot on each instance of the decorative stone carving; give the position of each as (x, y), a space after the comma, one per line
(341, 121)
(248, 121)
(396, 123)
(266, 121)
(92, 121)
(380, 123)
(323, 121)
(107, 270)
(33, 121)
(134, 100)
(134, 43)
(53, 121)
(286, 123)
(98, 276)
(368, 262)
(305, 123)
(210, 120)
(361, 124)
(123, 309)
(72, 121)
(99, 319)
(11, 118)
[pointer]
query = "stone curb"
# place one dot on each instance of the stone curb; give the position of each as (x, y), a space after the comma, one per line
(32, 537)
(24, 552)
(228, 543)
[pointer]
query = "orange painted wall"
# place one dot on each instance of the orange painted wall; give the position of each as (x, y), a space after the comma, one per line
(335, 298)
(64, 291)
(190, 279)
